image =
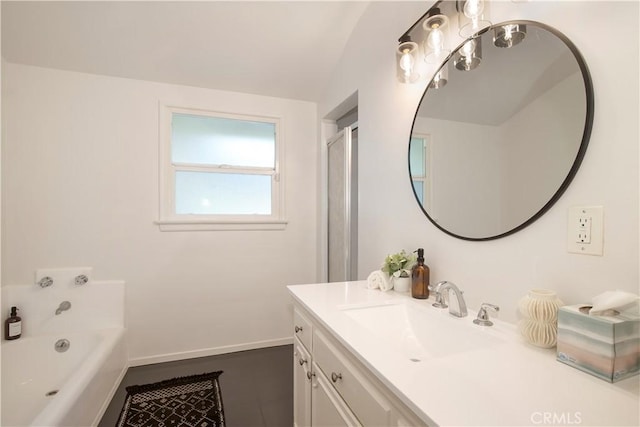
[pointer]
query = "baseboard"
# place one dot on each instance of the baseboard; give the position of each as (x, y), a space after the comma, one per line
(171, 357)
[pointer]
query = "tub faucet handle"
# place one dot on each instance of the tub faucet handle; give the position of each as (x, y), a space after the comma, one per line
(45, 282)
(81, 279)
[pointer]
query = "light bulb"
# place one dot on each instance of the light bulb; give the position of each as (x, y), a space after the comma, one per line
(406, 62)
(473, 8)
(435, 39)
(509, 35)
(469, 55)
(508, 32)
(436, 45)
(440, 78)
(468, 48)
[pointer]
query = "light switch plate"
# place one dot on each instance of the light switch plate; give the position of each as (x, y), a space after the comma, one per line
(585, 230)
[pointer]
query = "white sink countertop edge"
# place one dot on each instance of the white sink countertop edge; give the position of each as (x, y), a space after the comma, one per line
(511, 383)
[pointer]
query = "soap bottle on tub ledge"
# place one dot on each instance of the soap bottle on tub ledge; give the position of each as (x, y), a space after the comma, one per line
(420, 277)
(13, 325)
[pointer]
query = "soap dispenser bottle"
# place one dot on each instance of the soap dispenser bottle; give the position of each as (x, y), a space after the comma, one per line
(13, 325)
(420, 278)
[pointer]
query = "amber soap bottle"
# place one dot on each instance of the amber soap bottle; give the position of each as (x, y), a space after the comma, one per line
(420, 278)
(13, 325)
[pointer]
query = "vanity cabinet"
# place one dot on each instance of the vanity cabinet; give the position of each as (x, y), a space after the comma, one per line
(333, 388)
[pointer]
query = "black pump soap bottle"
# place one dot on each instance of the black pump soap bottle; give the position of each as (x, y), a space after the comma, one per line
(420, 278)
(13, 325)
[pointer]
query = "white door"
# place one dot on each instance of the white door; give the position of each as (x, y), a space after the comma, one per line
(342, 206)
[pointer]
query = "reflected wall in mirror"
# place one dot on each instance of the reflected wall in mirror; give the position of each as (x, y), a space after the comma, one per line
(495, 147)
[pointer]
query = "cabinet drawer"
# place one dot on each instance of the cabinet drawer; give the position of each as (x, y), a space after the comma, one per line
(302, 328)
(329, 410)
(371, 408)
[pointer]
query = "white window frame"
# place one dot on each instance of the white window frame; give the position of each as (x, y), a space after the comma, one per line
(169, 220)
(427, 178)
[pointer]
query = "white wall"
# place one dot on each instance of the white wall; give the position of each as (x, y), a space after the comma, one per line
(500, 271)
(80, 187)
(541, 157)
(466, 158)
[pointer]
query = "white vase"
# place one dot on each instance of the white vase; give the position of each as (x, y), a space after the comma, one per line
(401, 284)
(539, 323)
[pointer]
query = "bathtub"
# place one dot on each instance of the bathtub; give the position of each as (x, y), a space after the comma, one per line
(43, 387)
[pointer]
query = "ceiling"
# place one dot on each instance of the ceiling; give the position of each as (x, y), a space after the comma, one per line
(285, 49)
(506, 81)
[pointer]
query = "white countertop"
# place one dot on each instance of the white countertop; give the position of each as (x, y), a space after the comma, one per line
(509, 383)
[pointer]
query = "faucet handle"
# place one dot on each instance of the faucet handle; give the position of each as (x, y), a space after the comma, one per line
(483, 316)
(440, 303)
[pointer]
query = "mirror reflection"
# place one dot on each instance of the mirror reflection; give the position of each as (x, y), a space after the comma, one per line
(500, 131)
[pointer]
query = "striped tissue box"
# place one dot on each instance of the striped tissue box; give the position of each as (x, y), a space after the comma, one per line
(607, 347)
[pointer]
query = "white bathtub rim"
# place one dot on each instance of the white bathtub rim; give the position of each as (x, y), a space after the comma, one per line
(110, 396)
(54, 411)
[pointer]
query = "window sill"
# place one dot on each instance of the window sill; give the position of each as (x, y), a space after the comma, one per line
(210, 225)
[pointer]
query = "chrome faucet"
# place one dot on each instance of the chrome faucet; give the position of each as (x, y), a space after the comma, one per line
(64, 306)
(443, 286)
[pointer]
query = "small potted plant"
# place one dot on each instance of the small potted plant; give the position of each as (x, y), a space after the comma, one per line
(398, 267)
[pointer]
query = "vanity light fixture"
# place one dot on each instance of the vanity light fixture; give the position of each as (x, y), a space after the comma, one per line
(406, 58)
(436, 27)
(469, 56)
(509, 35)
(472, 15)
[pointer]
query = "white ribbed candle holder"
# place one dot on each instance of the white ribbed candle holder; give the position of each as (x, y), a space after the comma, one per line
(539, 323)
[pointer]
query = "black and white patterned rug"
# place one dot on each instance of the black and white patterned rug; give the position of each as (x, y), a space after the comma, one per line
(193, 401)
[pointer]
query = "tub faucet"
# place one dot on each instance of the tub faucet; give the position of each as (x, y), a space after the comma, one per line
(64, 306)
(441, 287)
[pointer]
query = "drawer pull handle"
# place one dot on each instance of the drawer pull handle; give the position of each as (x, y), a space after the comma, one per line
(310, 375)
(298, 329)
(335, 377)
(302, 361)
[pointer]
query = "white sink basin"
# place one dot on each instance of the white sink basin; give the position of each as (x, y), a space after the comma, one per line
(421, 333)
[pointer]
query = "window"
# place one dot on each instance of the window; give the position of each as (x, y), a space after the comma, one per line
(219, 171)
(419, 165)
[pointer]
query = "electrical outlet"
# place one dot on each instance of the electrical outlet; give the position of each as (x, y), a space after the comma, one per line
(585, 230)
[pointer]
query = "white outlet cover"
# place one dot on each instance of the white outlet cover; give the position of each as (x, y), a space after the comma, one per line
(595, 214)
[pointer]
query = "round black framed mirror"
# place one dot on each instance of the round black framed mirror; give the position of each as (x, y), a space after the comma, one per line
(501, 130)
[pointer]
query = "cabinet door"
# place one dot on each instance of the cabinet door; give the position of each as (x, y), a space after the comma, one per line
(301, 385)
(302, 329)
(329, 410)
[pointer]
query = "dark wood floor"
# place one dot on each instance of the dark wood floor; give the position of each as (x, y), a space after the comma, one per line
(257, 385)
